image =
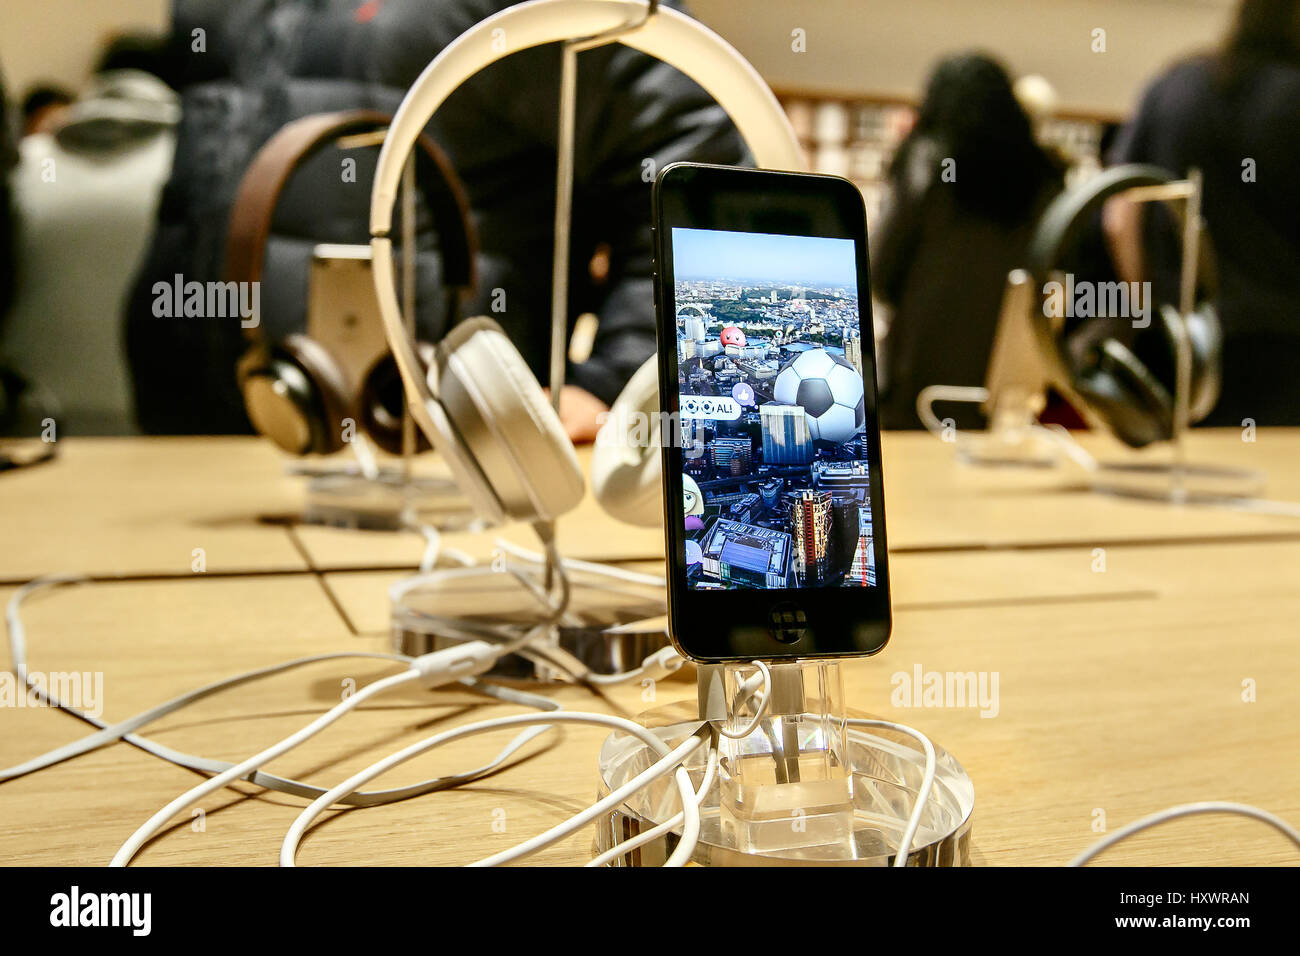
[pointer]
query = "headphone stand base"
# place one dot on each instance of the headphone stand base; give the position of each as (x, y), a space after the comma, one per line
(1177, 483)
(391, 500)
(610, 627)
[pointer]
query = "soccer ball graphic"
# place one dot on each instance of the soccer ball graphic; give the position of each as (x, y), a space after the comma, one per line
(830, 391)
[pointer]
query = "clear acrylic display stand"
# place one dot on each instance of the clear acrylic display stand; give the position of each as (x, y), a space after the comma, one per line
(1012, 398)
(803, 787)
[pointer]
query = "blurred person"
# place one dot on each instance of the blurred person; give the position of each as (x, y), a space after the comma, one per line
(8, 160)
(268, 62)
(42, 107)
(85, 194)
(150, 53)
(10, 382)
(966, 187)
(1234, 114)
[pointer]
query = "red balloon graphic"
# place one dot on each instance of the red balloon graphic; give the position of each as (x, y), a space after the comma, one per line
(731, 335)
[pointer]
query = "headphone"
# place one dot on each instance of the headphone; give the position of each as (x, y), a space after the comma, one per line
(477, 402)
(297, 391)
(1108, 382)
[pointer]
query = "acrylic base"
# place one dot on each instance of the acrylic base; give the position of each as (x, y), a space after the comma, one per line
(611, 626)
(389, 501)
(886, 770)
(1008, 448)
(1177, 484)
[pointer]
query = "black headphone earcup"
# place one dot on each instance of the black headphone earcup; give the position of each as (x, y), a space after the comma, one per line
(295, 395)
(1125, 395)
(280, 401)
(381, 403)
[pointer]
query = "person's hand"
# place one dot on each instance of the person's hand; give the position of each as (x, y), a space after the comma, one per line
(579, 411)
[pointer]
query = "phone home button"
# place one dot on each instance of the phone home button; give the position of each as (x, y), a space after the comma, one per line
(787, 622)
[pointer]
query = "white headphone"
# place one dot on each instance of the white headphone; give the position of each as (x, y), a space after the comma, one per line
(478, 403)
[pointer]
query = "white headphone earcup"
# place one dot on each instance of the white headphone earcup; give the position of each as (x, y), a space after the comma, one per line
(626, 466)
(504, 419)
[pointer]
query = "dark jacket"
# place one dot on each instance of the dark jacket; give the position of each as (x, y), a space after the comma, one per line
(1244, 136)
(942, 268)
(268, 62)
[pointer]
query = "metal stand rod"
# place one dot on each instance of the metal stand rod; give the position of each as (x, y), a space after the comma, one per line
(1182, 342)
(409, 257)
(564, 163)
(563, 219)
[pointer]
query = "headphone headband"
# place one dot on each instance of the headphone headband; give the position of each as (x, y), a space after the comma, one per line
(1069, 213)
(1114, 386)
(270, 171)
(669, 36)
(1060, 228)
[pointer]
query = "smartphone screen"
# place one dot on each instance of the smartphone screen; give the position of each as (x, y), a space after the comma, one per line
(769, 347)
(765, 318)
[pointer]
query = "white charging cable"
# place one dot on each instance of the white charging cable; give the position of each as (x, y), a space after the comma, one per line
(657, 666)
(434, 669)
(671, 761)
(433, 545)
(922, 793)
(124, 730)
(590, 567)
(647, 836)
(746, 690)
(1187, 810)
(431, 670)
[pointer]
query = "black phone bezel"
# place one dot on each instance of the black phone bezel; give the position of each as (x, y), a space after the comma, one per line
(738, 624)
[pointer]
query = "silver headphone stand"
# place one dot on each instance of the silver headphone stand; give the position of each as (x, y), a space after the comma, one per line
(607, 628)
(1179, 481)
(1017, 381)
(372, 496)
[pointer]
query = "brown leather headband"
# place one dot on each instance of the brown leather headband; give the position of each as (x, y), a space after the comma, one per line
(275, 162)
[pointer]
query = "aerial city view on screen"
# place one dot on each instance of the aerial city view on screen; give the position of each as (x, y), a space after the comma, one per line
(769, 352)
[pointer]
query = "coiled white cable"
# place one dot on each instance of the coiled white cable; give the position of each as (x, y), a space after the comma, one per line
(591, 567)
(124, 730)
(647, 836)
(160, 819)
(440, 667)
(670, 762)
(922, 792)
